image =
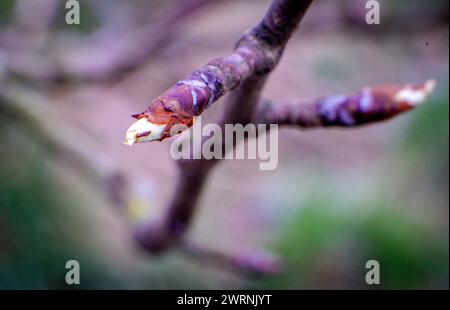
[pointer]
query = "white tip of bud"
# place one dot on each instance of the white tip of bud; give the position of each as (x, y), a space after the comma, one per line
(143, 131)
(415, 96)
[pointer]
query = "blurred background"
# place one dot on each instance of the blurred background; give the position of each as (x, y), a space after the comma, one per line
(69, 188)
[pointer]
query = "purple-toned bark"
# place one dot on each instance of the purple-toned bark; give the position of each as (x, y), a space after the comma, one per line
(255, 54)
(243, 74)
(372, 104)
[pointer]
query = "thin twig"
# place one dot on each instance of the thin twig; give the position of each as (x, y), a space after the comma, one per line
(254, 264)
(372, 104)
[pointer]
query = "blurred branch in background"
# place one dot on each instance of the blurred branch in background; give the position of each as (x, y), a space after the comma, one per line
(78, 152)
(33, 111)
(120, 45)
(106, 53)
(129, 50)
(245, 263)
(25, 39)
(34, 19)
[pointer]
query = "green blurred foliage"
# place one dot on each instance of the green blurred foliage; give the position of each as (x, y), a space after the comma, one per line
(332, 230)
(321, 242)
(39, 221)
(6, 9)
(427, 138)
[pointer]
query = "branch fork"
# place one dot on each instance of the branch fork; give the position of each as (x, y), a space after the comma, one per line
(243, 74)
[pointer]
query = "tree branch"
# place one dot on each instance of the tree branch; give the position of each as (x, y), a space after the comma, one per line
(245, 71)
(255, 55)
(250, 264)
(32, 111)
(372, 104)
